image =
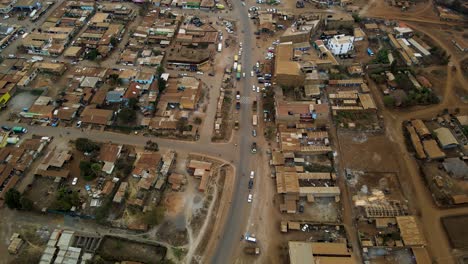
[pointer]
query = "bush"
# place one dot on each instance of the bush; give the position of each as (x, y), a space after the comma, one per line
(86, 145)
(66, 199)
(154, 216)
(12, 199)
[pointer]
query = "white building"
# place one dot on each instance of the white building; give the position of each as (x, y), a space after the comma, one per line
(340, 44)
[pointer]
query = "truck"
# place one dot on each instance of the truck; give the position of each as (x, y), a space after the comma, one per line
(252, 250)
(220, 47)
(19, 129)
(370, 52)
(236, 58)
(254, 120)
(254, 106)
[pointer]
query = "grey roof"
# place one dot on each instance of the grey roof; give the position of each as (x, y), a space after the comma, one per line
(456, 167)
(114, 96)
(90, 82)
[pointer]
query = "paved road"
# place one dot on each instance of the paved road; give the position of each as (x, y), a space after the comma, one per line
(240, 209)
(217, 150)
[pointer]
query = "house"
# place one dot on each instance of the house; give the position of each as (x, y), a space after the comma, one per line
(109, 154)
(145, 77)
(456, 167)
(120, 194)
(147, 164)
(340, 44)
(115, 96)
(52, 164)
(445, 138)
(320, 252)
(91, 115)
(287, 72)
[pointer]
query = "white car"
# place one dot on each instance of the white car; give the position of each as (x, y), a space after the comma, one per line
(199, 72)
(252, 174)
(240, 44)
(258, 89)
(75, 180)
(251, 74)
(243, 3)
(253, 88)
(249, 199)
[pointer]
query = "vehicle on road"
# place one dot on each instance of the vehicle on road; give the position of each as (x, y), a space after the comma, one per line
(254, 133)
(252, 250)
(251, 73)
(254, 120)
(236, 124)
(252, 174)
(258, 89)
(75, 180)
(250, 184)
(237, 95)
(254, 106)
(19, 129)
(237, 105)
(250, 198)
(238, 75)
(6, 128)
(243, 74)
(254, 148)
(253, 88)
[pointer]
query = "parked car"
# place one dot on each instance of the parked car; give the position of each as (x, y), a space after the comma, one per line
(250, 198)
(250, 184)
(75, 180)
(78, 124)
(254, 148)
(252, 174)
(254, 133)
(6, 128)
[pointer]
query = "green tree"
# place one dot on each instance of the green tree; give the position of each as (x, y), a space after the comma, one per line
(357, 18)
(127, 115)
(26, 204)
(89, 171)
(389, 100)
(12, 199)
(161, 85)
(160, 71)
(182, 124)
(92, 55)
(86, 145)
(66, 199)
(114, 41)
(132, 103)
(197, 120)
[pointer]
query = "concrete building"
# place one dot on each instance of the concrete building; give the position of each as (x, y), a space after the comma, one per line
(336, 21)
(319, 252)
(340, 44)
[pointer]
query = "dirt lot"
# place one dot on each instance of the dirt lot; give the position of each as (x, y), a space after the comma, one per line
(365, 152)
(114, 249)
(455, 227)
